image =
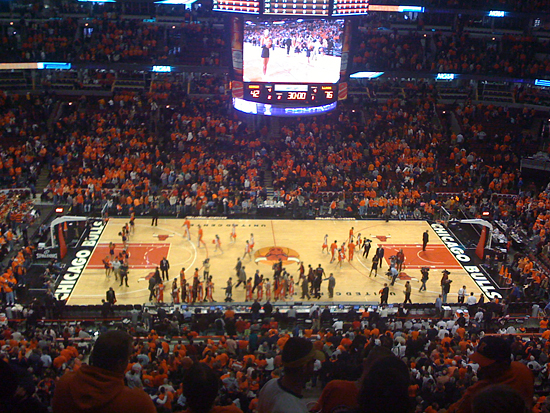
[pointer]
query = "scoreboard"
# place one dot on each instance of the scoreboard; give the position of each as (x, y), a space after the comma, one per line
(236, 6)
(297, 7)
(349, 7)
(291, 94)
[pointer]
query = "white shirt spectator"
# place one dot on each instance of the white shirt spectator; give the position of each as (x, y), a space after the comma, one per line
(312, 309)
(46, 360)
(479, 316)
(274, 399)
(471, 300)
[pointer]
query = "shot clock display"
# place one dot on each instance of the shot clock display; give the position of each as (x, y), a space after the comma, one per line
(290, 94)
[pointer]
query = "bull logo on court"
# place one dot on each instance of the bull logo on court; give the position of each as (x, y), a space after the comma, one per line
(270, 255)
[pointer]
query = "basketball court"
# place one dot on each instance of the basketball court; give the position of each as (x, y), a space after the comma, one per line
(292, 241)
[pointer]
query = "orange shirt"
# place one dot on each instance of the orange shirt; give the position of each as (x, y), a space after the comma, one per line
(337, 393)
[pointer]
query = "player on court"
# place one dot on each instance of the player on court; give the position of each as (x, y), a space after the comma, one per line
(350, 238)
(351, 247)
(210, 290)
(260, 290)
(251, 242)
(248, 288)
(233, 235)
(184, 291)
(218, 244)
(200, 292)
(247, 250)
(267, 289)
(187, 228)
(341, 257)
(112, 250)
(325, 244)
(160, 293)
(175, 292)
(200, 241)
(333, 249)
(132, 221)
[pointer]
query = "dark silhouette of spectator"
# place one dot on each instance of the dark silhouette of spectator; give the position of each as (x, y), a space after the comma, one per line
(100, 385)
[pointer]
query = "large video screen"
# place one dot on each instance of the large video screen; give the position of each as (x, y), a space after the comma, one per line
(294, 51)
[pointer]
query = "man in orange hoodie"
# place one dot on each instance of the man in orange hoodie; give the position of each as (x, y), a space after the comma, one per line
(100, 387)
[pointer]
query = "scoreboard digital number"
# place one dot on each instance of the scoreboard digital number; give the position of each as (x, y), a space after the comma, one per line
(246, 6)
(274, 94)
(297, 7)
(349, 7)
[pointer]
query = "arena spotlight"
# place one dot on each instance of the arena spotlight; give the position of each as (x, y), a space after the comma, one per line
(59, 210)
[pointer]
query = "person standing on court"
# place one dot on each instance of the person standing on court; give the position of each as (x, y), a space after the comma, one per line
(333, 249)
(425, 239)
(111, 296)
(164, 267)
(319, 273)
(238, 267)
(400, 260)
(200, 236)
(257, 280)
(374, 265)
(425, 276)
(154, 215)
(380, 255)
(305, 288)
(242, 277)
(394, 274)
(407, 292)
(461, 294)
(124, 274)
(152, 284)
(384, 294)
(331, 284)
(366, 248)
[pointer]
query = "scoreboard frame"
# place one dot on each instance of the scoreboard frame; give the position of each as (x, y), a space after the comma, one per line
(298, 94)
(298, 8)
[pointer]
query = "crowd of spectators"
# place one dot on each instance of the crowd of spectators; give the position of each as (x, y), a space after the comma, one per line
(106, 40)
(507, 55)
(390, 154)
(442, 367)
(507, 5)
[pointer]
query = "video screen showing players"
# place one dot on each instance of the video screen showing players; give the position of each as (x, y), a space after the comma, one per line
(297, 51)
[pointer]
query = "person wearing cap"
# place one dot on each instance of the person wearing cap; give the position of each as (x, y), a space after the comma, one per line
(284, 395)
(133, 378)
(493, 355)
